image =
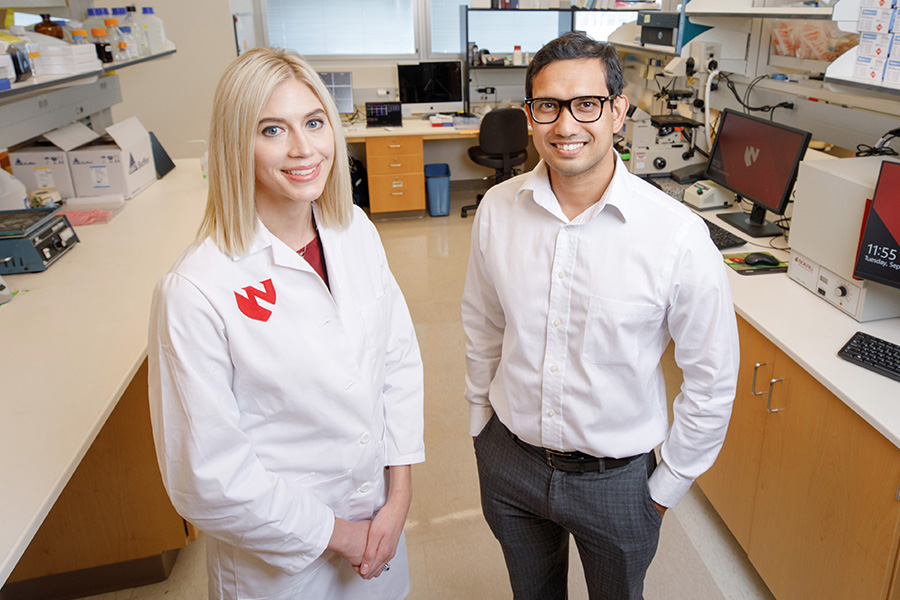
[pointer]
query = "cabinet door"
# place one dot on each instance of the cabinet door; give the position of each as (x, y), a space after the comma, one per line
(730, 484)
(826, 510)
(395, 193)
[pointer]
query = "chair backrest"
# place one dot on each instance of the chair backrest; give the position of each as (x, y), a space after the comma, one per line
(504, 131)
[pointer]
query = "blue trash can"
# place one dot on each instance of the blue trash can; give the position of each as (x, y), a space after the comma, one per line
(437, 182)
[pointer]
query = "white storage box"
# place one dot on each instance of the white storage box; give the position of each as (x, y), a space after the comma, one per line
(869, 69)
(71, 59)
(875, 45)
(45, 166)
(120, 165)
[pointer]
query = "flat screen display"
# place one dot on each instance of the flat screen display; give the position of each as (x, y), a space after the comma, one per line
(431, 86)
(757, 159)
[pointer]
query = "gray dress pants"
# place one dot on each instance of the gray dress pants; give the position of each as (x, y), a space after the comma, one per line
(532, 508)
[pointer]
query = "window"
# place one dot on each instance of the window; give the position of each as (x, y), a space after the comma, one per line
(599, 24)
(343, 27)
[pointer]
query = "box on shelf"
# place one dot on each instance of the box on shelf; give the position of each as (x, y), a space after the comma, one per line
(44, 165)
(869, 69)
(876, 20)
(895, 45)
(875, 45)
(892, 73)
(121, 163)
(68, 60)
(878, 3)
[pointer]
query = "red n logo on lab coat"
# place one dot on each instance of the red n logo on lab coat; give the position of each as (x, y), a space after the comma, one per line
(249, 305)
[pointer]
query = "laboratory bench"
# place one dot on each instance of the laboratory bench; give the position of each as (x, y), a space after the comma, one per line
(810, 491)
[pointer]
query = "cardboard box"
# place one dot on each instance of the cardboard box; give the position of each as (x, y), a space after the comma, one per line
(44, 165)
(875, 45)
(868, 69)
(876, 20)
(121, 163)
(892, 73)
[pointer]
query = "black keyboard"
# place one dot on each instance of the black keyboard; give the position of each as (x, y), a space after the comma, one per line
(874, 354)
(722, 238)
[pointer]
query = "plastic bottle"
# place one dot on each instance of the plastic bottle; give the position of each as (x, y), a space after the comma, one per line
(113, 34)
(156, 32)
(517, 56)
(133, 20)
(79, 37)
(70, 27)
(130, 42)
(104, 50)
(93, 19)
(48, 27)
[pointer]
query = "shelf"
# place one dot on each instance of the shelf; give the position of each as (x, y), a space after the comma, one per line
(47, 83)
(798, 64)
(744, 8)
(648, 49)
(885, 92)
(496, 67)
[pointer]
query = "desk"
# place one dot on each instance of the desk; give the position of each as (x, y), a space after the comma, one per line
(395, 161)
(73, 340)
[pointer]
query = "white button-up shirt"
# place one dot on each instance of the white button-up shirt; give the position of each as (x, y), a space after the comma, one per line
(566, 321)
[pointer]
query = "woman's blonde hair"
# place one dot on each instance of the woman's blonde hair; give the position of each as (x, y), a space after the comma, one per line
(230, 219)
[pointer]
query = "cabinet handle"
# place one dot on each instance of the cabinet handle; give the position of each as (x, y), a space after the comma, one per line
(769, 398)
(753, 382)
(396, 193)
(395, 166)
(394, 145)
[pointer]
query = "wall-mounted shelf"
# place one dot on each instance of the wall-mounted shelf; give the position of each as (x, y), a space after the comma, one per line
(47, 83)
(745, 8)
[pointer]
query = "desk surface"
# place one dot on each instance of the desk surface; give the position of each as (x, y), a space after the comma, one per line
(72, 340)
(358, 132)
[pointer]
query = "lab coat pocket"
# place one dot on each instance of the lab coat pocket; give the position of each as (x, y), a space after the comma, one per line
(327, 488)
(614, 330)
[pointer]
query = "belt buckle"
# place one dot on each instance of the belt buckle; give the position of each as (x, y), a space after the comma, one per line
(553, 453)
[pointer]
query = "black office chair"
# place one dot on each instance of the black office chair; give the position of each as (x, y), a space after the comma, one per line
(502, 145)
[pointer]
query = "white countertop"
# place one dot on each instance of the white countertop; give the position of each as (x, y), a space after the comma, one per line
(72, 340)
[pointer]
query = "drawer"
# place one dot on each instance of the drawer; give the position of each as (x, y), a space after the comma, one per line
(395, 163)
(402, 144)
(392, 193)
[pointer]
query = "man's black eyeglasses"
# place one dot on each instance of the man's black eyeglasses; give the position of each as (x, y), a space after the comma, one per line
(584, 109)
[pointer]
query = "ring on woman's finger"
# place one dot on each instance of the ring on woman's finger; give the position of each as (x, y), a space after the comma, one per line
(386, 567)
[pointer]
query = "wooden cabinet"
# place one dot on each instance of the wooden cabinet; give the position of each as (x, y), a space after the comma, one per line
(396, 174)
(808, 488)
(113, 526)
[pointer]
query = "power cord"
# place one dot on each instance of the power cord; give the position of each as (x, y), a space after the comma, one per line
(881, 147)
(745, 102)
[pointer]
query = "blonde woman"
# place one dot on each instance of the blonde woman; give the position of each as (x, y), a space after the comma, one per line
(285, 377)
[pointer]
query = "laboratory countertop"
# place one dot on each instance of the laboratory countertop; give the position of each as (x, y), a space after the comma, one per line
(75, 335)
(73, 338)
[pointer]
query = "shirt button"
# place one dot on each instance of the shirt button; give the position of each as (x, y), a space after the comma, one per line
(364, 438)
(562, 275)
(364, 488)
(553, 368)
(550, 413)
(556, 322)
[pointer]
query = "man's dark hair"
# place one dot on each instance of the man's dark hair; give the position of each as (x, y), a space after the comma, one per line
(572, 46)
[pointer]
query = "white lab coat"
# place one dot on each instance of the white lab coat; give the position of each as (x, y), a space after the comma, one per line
(276, 406)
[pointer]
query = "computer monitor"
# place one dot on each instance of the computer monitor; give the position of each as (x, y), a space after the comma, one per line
(878, 257)
(758, 160)
(340, 84)
(431, 87)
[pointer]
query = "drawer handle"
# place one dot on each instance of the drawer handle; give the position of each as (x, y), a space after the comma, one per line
(396, 193)
(395, 145)
(769, 399)
(753, 382)
(395, 166)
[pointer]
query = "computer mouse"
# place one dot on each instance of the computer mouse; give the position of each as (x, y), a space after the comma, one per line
(761, 258)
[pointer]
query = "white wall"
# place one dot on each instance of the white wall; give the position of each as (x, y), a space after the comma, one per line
(173, 96)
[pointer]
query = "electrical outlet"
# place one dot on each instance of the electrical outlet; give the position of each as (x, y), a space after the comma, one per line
(383, 93)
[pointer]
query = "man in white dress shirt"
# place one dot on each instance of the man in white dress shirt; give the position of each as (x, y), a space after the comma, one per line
(579, 276)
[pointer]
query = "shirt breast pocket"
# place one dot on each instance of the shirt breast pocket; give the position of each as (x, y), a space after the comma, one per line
(615, 330)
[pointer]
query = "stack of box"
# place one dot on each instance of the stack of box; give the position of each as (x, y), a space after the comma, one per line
(876, 28)
(68, 59)
(80, 163)
(7, 72)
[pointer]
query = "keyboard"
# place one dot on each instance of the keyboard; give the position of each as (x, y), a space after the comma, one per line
(722, 238)
(875, 354)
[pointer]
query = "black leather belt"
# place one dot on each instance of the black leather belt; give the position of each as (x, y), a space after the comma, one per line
(575, 462)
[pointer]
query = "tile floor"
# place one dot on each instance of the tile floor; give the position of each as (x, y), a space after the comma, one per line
(452, 553)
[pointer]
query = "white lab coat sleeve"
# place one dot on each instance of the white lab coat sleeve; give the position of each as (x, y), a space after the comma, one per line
(703, 326)
(484, 322)
(208, 464)
(404, 387)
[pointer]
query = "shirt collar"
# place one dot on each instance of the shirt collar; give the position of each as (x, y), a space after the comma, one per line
(617, 195)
